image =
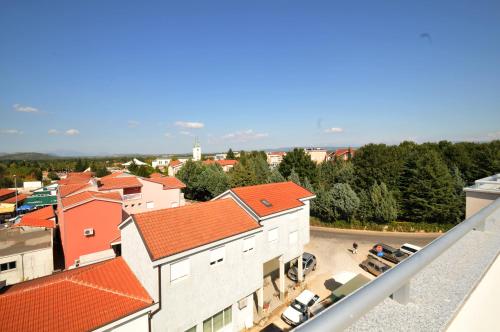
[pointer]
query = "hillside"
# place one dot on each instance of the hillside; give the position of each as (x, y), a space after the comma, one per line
(27, 156)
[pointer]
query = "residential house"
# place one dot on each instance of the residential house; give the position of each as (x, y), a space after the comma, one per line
(220, 156)
(341, 154)
(27, 247)
(19, 198)
(226, 164)
(161, 163)
(134, 161)
(174, 167)
(6, 194)
(101, 297)
(88, 225)
(214, 256)
(318, 155)
(275, 158)
(482, 193)
(144, 194)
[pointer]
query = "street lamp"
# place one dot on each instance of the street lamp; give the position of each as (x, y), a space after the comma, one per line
(15, 185)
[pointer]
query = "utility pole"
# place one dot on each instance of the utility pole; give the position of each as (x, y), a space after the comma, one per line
(15, 185)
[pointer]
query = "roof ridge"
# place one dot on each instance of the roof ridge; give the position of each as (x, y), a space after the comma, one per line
(81, 282)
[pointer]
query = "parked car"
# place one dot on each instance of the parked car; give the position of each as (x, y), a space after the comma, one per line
(352, 282)
(374, 266)
(309, 264)
(389, 253)
(298, 311)
(409, 248)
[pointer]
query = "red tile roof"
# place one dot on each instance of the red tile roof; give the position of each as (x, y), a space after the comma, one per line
(81, 299)
(88, 196)
(168, 182)
(20, 198)
(281, 196)
(170, 231)
(225, 162)
(112, 175)
(175, 163)
(75, 177)
(120, 183)
(65, 190)
(5, 192)
(35, 222)
(43, 213)
(156, 175)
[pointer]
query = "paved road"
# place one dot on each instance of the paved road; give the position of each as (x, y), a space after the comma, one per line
(391, 238)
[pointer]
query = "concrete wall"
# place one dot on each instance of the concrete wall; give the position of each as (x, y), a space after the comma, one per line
(29, 265)
(104, 217)
(475, 201)
(211, 288)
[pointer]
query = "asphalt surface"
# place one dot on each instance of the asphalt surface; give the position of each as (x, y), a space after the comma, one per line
(391, 238)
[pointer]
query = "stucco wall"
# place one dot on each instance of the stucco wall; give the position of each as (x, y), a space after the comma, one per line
(139, 324)
(209, 289)
(104, 217)
(153, 192)
(135, 254)
(29, 265)
(475, 201)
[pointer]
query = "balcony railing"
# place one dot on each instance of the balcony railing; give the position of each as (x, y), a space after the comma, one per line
(396, 281)
(129, 197)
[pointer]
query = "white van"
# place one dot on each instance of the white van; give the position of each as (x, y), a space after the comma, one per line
(298, 311)
(409, 249)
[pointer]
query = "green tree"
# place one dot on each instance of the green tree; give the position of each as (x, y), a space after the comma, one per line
(428, 189)
(330, 173)
(276, 176)
(189, 174)
(211, 182)
(345, 202)
(294, 177)
(322, 205)
(53, 176)
(383, 203)
(241, 176)
(230, 154)
(301, 162)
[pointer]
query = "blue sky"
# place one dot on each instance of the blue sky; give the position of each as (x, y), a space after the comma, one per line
(146, 77)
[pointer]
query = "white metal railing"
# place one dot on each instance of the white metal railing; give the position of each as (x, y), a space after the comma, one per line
(396, 281)
(129, 197)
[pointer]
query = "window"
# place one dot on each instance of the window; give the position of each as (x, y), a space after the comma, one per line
(179, 270)
(248, 244)
(293, 237)
(150, 205)
(272, 235)
(218, 321)
(8, 266)
(217, 255)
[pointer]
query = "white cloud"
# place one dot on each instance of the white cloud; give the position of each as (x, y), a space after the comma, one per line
(53, 132)
(133, 123)
(186, 133)
(494, 136)
(334, 130)
(25, 109)
(244, 136)
(192, 125)
(10, 131)
(167, 135)
(72, 132)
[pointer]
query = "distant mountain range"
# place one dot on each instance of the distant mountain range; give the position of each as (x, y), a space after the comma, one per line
(27, 156)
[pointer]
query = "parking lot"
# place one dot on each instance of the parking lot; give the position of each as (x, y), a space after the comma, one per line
(332, 248)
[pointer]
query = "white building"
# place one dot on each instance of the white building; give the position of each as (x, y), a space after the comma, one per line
(196, 151)
(482, 193)
(275, 158)
(161, 163)
(203, 263)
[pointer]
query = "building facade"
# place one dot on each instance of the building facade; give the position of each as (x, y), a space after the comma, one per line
(482, 193)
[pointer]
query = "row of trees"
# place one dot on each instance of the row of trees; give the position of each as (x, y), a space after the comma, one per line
(382, 183)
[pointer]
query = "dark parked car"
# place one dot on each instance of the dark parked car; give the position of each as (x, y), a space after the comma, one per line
(308, 265)
(391, 254)
(374, 266)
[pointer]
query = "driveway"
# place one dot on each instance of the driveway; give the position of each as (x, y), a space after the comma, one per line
(332, 248)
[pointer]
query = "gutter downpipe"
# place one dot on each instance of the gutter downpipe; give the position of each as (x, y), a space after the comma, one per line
(394, 282)
(151, 314)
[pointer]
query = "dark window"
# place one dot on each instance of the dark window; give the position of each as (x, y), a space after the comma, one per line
(7, 266)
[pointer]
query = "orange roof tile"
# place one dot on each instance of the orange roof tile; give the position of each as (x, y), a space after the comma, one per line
(112, 175)
(43, 213)
(5, 192)
(155, 175)
(120, 183)
(76, 177)
(81, 299)
(35, 222)
(20, 198)
(225, 162)
(68, 189)
(281, 196)
(170, 231)
(175, 163)
(88, 196)
(168, 182)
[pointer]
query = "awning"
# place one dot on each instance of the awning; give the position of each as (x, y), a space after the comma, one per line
(41, 200)
(7, 207)
(25, 207)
